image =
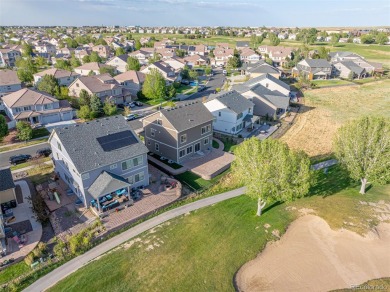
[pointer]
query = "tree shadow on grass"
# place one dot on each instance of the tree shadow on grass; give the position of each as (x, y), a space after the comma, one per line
(330, 182)
(270, 207)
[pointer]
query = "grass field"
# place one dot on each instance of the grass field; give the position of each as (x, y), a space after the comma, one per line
(327, 109)
(202, 251)
(331, 82)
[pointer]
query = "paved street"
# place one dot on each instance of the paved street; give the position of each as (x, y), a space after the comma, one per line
(68, 268)
(32, 150)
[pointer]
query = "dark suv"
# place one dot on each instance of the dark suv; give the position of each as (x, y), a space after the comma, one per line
(17, 159)
(45, 152)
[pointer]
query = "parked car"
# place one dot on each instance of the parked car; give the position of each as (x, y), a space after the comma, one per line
(131, 104)
(130, 117)
(185, 82)
(138, 103)
(44, 152)
(17, 159)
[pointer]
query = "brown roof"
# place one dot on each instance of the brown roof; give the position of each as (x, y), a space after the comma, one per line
(195, 58)
(26, 96)
(57, 73)
(97, 83)
(135, 76)
(92, 66)
(247, 52)
(8, 77)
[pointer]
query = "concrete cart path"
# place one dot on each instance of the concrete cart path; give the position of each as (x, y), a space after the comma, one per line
(73, 265)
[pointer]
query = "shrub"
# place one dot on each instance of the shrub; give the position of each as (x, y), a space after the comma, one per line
(29, 259)
(60, 249)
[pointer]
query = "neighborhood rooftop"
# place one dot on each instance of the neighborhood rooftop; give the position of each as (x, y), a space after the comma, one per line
(6, 181)
(8, 77)
(89, 144)
(232, 100)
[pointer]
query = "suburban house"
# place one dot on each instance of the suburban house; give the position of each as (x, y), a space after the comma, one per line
(266, 102)
(242, 45)
(176, 63)
(85, 69)
(232, 112)
(104, 86)
(165, 69)
(268, 81)
(370, 67)
(46, 48)
(279, 55)
(64, 77)
(249, 56)
(222, 55)
(313, 69)
(99, 158)
(179, 132)
(258, 69)
(103, 51)
(196, 60)
(35, 107)
(142, 55)
(9, 82)
(8, 57)
(131, 80)
(348, 69)
(119, 63)
(343, 56)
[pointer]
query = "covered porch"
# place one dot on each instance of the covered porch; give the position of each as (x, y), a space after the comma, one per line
(109, 191)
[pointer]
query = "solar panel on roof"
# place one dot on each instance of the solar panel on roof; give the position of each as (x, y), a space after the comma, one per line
(117, 141)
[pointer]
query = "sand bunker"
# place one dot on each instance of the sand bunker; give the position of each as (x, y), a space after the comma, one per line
(313, 257)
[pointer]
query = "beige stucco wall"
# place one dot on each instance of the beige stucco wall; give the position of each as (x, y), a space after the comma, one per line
(7, 195)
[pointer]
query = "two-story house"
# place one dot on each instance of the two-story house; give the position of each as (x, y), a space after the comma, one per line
(99, 158)
(221, 56)
(179, 132)
(249, 56)
(103, 51)
(46, 48)
(90, 68)
(268, 81)
(9, 82)
(232, 112)
(36, 107)
(258, 69)
(348, 69)
(165, 69)
(8, 57)
(131, 80)
(313, 69)
(119, 63)
(143, 55)
(64, 77)
(104, 86)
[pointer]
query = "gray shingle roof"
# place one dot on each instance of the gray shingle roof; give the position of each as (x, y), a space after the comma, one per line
(251, 82)
(353, 67)
(233, 101)
(313, 63)
(263, 68)
(6, 180)
(242, 44)
(187, 116)
(85, 151)
(274, 97)
(107, 183)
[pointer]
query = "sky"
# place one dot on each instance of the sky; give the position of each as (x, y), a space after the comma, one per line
(292, 13)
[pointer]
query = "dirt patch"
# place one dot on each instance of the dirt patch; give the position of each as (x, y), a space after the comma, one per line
(313, 257)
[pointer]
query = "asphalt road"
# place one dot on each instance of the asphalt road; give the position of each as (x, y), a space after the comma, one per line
(68, 268)
(32, 150)
(216, 81)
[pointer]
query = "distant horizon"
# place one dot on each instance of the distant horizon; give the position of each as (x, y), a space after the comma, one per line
(179, 13)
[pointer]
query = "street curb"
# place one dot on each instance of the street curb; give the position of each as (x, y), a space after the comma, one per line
(21, 147)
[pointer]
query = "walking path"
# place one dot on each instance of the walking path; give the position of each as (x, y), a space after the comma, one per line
(324, 164)
(73, 265)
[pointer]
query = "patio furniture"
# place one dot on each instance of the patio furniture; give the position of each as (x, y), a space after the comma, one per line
(52, 186)
(109, 197)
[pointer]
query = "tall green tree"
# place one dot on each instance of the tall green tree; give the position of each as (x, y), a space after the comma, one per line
(367, 39)
(381, 38)
(49, 84)
(137, 45)
(109, 108)
(74, 62)
(3, 127)
(154, 86)
(96, 106)
(63, 64)
(84, 112)
(133, 64)
(193, 74)
(334, 40)
(40, 61)
(86, 59)
(271, 171)
(233, 62)
(363, 148)
(26, 69)
(84, 97)
(120, 51)
(109, 70)
(155, 58)
(256, 41)
(24, 131)
(94, 57)
(273, 38)
(27, 50)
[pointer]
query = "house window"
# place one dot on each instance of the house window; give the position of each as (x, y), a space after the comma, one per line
(139, 177)
(59, 146)
(249, 110)
(189, 150)
(152, 132)
(159, 121)
(27, 108)
(182, 153)
(130, 179)
(157, 147)
(239, 116)
(206, 129)
(206, 141)
(219, 114)
(137, 161)
(85, 176)
(58, 157)
(266, 85)
(46, 106)
(77, 85)
(113, 166)
(183, 138)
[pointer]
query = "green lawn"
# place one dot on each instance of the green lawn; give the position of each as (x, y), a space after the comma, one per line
(331, 82)
(229, 146)
(165, 161)
(182, 88)
(13, 271)
(193, 90)
(193, 180)
(215, 144)
(203, 250)
(21, 145)
(40, 132)
(29, 163)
